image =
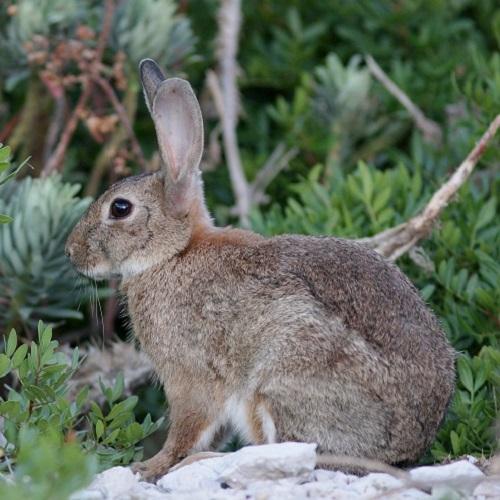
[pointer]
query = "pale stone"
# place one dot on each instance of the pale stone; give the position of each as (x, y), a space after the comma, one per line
(489, 488)
(286, 472)
(461, 475)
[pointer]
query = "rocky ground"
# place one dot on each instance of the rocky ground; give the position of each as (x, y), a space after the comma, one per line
(287, 471)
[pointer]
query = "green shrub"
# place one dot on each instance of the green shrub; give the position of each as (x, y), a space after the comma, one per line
(38, 401)
(47, 467)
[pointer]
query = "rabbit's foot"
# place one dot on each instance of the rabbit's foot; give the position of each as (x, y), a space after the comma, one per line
(154, 468)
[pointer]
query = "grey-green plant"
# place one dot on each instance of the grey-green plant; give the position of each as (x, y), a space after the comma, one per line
(154, 29)
(35, 275)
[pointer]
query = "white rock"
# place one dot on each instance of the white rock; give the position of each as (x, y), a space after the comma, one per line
(271, 461)
(286, 472)
(461, 475)
(245, 466)
(201, 475)
(118, 483)
(489, 488)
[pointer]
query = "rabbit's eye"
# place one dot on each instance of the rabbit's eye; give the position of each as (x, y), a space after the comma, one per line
(120, 208)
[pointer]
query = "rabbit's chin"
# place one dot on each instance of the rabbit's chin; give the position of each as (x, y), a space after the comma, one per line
(98, 273)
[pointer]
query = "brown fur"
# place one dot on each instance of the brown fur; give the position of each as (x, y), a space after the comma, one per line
(334, 341)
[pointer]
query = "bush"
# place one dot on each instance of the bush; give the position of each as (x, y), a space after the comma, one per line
(39, 403)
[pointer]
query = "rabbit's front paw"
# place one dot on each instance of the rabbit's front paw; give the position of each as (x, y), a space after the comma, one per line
(152, 469)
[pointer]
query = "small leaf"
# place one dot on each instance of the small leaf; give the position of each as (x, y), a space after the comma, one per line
(134, 432)
(455, 442)
(5, 219)
(11, 343)
(4, 365)
(118, 387)
(465, 374)
(99, 429)
(96, 410)
(19, 355)
(122, 407)
(4, 153)
(82, 396)
(46, 337)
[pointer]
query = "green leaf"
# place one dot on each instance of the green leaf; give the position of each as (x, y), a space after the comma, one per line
(6, 178)
(11, 343)
(455, 442)
(82, 396)
(96, 410)
(99, 429)
(45, 337)
(126, 405)
(134, 432)
(118, 387)
(10, 409)
(4, 154)
(5, 219)
(465, 374)
(486, 213)
(4, 365)
(19, 355)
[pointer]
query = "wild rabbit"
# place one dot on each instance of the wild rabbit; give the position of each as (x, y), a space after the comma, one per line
(290, 338)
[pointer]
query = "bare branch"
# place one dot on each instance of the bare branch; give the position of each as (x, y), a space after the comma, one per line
(394, 242)
(225, 94)
(431, 130)
(56, 158)
(122, 114)
(105, 364)
(277, 161)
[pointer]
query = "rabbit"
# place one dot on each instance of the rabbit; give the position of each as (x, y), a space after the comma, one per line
(288, 338)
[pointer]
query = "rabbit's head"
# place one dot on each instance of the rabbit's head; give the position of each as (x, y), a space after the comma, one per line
(145, 219)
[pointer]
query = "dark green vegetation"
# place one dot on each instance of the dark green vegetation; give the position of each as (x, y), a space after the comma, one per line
(361, 165)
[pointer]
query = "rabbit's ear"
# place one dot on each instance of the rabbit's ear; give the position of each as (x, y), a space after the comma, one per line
(151, 78)
(179, 128)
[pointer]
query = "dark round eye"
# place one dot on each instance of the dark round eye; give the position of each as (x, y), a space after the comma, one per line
(120, 208)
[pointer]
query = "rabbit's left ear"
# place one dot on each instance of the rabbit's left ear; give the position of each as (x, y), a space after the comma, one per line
(179, 128)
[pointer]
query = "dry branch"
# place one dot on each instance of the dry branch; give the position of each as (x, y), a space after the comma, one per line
(430, 129)
(276, 162)
(225, 95)
(56, 158)
(106, 364)
(224, 91)
(394, 242)
(122, 114)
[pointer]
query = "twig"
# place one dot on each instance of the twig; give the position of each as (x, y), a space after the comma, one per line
(56, 158)
(225, 95)
(431, 130)
(56, 123)
(277, 161)
(394, 242)
(122, 114)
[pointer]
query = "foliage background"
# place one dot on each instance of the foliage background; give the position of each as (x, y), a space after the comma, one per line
(360, 163)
